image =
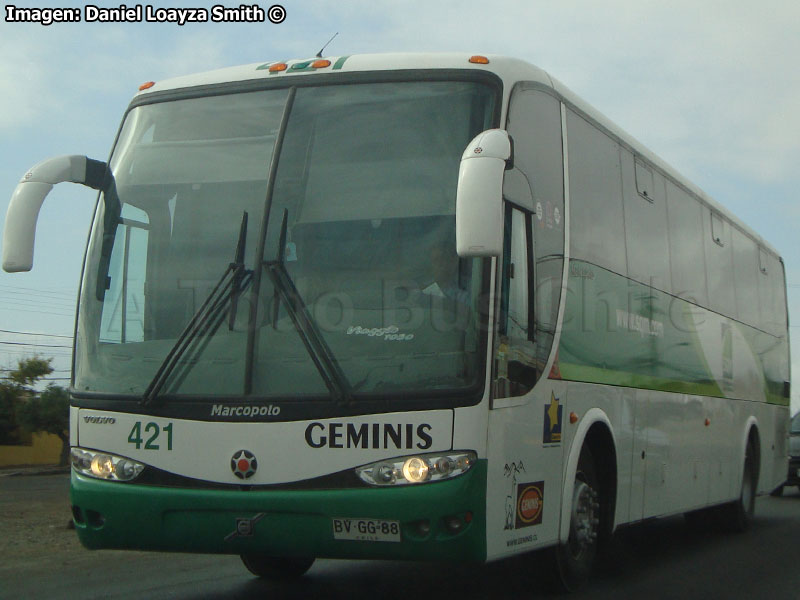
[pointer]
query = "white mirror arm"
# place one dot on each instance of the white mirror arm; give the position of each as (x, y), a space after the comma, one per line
(23, 211)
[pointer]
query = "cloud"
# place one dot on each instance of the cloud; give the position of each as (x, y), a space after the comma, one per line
(701, 83)
(23, 84)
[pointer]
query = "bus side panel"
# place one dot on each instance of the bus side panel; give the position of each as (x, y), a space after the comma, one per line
(526, 450)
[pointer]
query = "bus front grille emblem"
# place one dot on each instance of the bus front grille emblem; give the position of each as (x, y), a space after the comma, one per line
(244, 464)
(244, 527)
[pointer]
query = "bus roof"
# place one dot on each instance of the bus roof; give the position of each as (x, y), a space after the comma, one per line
(509, 70)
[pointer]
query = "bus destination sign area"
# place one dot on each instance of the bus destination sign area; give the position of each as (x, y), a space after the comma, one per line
(146, 13)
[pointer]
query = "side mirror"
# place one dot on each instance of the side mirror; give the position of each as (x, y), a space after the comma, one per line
(479, 198)
(23, 210)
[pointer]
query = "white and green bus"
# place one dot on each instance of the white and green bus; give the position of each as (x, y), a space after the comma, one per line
(406, 307)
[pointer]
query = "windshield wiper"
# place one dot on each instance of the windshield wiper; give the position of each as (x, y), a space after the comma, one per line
(309, 333)
(205, 322)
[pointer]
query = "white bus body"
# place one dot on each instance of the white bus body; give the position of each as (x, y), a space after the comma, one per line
(610, 345)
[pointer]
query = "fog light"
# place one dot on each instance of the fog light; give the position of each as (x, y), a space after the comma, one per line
(453, 524)
(416, 469)
(423, 527)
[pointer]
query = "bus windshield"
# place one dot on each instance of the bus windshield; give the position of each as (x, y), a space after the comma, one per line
(336, 202)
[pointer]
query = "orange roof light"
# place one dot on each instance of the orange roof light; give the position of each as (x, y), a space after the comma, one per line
(278, 67)
(321, 63)
(479, 60)
(146, 86)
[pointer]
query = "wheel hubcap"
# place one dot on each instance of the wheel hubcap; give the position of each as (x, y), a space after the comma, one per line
(585, 518)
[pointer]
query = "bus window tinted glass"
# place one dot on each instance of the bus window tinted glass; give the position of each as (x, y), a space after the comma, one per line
(597, 232)
(687, 259)
(746, 273)
(645, 224)
(719, 264)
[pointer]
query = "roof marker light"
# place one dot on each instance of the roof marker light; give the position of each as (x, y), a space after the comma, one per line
(146, 86)
(321, 63)
(479, 60)
(278, 67)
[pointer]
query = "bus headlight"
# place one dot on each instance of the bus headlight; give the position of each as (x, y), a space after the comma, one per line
(102, 465)
(417, 469)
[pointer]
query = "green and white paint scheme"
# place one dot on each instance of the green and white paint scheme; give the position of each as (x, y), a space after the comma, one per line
(456, 320)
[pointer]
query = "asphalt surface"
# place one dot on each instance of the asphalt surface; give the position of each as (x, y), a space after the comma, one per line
(660, 559)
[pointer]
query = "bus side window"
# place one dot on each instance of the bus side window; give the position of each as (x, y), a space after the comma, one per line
(515, 352)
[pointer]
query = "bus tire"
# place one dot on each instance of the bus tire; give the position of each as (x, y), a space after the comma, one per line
(276, 568)
(575, 558)
(738, 516)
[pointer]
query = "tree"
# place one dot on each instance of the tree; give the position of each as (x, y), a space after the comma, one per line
(9, 430)
(22, 406)
(30, 370)
(48, 412)
(14, 389)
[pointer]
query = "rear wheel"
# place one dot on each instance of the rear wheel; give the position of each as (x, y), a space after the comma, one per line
(739, 514)
(271, 567)
(575, 558)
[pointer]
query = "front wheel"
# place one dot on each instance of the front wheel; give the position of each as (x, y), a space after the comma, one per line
(271, 567)
(575, 558)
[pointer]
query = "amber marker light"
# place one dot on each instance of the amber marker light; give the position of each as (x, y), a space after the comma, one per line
(708, 422)
(321, 64)
(573, 418)
(479, 60)
(278, 67)
(146, 86)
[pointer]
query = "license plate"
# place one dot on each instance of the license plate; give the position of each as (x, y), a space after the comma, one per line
(366, 530)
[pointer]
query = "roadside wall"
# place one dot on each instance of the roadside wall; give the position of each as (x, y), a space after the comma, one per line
(44, 449)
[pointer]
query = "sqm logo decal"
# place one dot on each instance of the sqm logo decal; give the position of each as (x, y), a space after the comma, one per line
(552, 421)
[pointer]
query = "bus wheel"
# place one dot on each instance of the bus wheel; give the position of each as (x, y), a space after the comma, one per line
(739, 514)
(271, 567)
(575, 558)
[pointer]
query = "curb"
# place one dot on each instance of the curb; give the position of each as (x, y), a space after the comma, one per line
(24, 471)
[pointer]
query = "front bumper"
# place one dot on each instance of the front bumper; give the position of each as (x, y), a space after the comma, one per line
(282, 522)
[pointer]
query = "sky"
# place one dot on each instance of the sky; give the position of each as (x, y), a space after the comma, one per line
(712, 87)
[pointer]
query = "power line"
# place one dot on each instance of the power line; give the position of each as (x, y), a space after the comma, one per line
(46, 312)
(32, 333)
(34, 345)
(71, 294)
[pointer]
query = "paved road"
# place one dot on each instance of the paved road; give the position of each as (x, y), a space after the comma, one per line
(661, 559)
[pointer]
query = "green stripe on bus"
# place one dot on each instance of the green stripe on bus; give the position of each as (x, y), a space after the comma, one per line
(620, 332)
(339, 63)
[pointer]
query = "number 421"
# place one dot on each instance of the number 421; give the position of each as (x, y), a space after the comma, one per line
(152, 431)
